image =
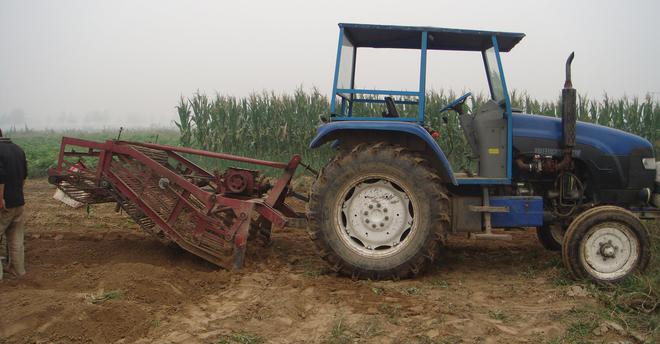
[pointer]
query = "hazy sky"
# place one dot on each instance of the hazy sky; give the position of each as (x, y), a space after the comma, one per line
(109, 63)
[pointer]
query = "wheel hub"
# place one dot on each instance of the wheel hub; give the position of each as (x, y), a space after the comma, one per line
(607, 250)
(377, 215)
(610, 250)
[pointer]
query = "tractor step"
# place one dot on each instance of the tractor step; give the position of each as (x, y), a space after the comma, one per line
(488, 209)
(490, 236)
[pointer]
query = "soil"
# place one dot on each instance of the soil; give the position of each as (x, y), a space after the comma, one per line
(95, 277)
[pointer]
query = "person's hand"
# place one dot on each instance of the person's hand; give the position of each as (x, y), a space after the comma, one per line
(2, 204)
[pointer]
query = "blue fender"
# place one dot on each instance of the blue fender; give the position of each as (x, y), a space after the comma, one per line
(329, 131)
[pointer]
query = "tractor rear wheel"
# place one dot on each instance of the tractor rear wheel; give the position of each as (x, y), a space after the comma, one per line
(378, 212)
(606, 244)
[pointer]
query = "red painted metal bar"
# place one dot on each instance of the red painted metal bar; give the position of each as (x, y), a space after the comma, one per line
(210, 154)
(277, 193)
(191, 165)
(204, 196)
(128, 192)
(70, 141)
(81, 154)
(178, 207)
(271, 214)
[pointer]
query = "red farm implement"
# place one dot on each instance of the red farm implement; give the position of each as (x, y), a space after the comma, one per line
(209, 214)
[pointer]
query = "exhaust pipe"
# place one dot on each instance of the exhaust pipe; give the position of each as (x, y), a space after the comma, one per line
(568, 108)
(568, 117)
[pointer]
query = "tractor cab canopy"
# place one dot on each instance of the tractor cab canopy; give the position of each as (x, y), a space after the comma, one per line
(355, 36)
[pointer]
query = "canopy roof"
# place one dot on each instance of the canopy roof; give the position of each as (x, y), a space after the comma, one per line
(409, 37)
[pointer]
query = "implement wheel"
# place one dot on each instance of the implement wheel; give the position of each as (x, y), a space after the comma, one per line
(378, 212)
(606, 244)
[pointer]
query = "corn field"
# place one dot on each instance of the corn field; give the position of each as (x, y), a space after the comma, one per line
(274, 127)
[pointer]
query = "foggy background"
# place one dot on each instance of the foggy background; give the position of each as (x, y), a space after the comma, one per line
(95, 64)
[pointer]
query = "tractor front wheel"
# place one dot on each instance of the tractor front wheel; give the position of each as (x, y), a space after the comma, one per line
(378, 212)
(606, 244)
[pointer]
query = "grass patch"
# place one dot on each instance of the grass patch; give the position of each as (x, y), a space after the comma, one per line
(440, 283)
(562, 279)
(498, 315)
(340, 333)
(310, 270)
(241, 337)
(391, 311)
(377, 290)
(578, 332)
(528, 271)
(111, 295)
(412, 290)
(370, 328)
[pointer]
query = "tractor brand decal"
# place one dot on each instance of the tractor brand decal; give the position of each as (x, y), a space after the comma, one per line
(554, 151)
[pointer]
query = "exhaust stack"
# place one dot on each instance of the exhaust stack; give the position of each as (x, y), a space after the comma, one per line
(568, 109)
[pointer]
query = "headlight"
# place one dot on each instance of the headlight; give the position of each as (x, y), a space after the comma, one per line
(649, 163)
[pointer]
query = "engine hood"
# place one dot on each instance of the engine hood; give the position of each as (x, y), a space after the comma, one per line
(607, 140)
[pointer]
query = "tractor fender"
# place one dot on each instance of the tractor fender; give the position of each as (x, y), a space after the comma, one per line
(334, 130)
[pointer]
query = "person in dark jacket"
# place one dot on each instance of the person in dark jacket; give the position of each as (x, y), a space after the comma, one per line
(13, 171)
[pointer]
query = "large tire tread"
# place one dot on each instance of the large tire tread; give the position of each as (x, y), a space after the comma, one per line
(420, 172)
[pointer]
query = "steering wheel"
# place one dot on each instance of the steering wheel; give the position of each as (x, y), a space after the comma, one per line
(456, 104)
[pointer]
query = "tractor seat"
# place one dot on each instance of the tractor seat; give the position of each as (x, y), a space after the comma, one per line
(391, 108)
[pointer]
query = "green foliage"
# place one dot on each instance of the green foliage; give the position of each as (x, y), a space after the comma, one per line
(111, 295)
(276, 126)
(241, 337)
(263, 125)
(339, 334)
(42, 147)
(498, 315)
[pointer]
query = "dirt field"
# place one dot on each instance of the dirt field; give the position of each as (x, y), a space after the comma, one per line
(97, 278)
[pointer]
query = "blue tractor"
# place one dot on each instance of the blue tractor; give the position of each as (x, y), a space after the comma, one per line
(382, 205)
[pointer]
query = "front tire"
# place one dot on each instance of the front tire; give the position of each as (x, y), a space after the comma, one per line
(378, 212)
(606, 244)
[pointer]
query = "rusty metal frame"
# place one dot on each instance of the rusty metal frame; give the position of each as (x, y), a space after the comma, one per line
(271, 208)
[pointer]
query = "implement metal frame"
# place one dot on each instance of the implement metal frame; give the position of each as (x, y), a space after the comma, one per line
(106, 178)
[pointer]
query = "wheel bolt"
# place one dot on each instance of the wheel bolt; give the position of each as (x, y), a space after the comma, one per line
(382, 224)
(366, 220)
(387, 218)
(371, 206)
(373, 226)
(385, 210)
(366, 212)
(377, 205)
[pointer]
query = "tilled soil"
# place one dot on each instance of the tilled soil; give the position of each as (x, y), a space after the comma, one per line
(94, 277)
